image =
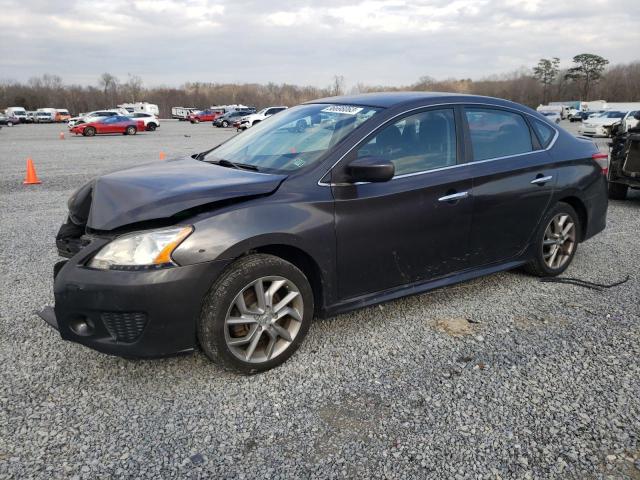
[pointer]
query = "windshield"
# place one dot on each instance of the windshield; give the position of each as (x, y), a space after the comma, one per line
(293, 139)
(614, 115)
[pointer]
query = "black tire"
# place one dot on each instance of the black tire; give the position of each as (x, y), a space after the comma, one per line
(152, 127)
(225, 124)
(618, 191)
(131, 130)
(89, 132)
(256, 122)
(537, 266)
(218, 302)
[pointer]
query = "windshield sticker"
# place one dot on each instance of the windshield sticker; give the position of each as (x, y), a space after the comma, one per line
(345, 109)
(298, 162)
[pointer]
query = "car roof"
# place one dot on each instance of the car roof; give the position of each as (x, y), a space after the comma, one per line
(393, 99)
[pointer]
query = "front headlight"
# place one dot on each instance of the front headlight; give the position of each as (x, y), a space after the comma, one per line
(141, 250)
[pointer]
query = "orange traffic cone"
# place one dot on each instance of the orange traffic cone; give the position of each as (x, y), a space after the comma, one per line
(61, 135)
(162, 156)
(32, 177)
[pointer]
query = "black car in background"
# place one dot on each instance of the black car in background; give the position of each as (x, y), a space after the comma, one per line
(329, 206)
(582, 116)
(228, 118)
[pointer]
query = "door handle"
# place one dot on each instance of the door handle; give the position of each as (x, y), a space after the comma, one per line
(541, 180)
(453, 196)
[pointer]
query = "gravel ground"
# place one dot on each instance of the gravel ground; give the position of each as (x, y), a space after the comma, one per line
(501, 377)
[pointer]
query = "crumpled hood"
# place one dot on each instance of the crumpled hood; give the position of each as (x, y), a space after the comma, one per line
(161, 189)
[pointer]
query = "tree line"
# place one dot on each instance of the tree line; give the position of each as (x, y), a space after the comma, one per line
(590, 78)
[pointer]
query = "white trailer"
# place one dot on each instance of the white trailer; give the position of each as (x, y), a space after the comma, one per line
(141, 107)
(182, 113)
(556, 107)
(593, 106)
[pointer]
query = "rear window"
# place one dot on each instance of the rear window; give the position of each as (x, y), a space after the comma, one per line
(497, 133)
(544, 132)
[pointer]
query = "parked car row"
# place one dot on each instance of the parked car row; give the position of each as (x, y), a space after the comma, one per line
(119, 119)
(213, 113)
(42, 115)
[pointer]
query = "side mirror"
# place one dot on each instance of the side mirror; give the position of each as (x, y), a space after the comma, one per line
(370, 169)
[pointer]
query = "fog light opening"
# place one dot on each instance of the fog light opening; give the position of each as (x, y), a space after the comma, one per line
(82, 326)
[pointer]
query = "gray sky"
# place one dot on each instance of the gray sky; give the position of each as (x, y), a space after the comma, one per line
(392, 42)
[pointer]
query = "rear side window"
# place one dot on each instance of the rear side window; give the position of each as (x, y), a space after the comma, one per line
(416, 143)
(497, 133)
(545, 132)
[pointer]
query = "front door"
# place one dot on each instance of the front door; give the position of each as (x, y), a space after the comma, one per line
(414, 227)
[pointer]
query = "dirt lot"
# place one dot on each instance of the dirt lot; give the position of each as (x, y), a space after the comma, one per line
(501, 377)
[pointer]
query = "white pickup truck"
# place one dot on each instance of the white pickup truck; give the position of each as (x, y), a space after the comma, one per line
(250, 120)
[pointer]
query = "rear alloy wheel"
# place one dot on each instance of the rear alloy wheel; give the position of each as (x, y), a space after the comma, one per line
(618, 191)
(256, 314)
(89, 132)
(556, 242)
(225, 124)
(151, 127)
(131, 130)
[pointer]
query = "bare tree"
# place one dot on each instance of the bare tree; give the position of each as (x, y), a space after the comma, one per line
(337, 87)
(109, 85)
(133, 88)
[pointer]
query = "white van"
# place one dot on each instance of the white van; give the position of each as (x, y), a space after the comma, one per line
(46, 115)
(19, 112)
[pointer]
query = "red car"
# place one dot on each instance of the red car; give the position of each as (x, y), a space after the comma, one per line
(204, 116)
(115, 124)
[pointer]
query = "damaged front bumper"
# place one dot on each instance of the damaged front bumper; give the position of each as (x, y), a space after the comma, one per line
(129, 313)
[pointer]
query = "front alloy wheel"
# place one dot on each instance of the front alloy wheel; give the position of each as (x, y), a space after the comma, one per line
(264, 319)
(256, 314)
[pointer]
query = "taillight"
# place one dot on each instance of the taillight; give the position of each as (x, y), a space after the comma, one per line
(602, 159)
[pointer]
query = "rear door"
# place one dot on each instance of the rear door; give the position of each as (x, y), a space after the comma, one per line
(414, 227)
(513, 180)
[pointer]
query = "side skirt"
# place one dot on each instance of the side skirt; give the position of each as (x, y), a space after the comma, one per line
(415, 288)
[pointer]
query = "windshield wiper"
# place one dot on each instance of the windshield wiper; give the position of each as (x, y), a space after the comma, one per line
(228, 163)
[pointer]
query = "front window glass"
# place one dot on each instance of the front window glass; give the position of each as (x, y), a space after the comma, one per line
(614, 115)
(416, 143)
(497, 133)
(293, 139)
